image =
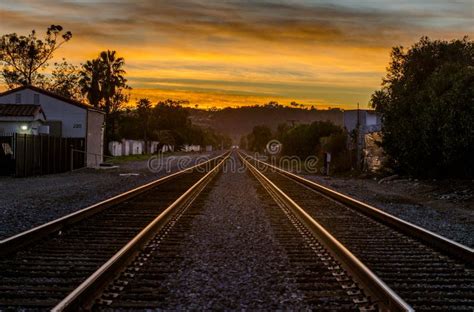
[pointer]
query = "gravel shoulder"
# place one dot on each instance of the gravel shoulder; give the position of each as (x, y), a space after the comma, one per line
(32, 201)
(444, 207)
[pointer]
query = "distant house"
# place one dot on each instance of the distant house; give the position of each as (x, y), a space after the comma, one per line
(369, 153)
(48, 113)
(368, 120)
(28, 119)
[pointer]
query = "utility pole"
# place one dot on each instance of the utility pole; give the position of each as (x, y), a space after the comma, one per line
(358, 151)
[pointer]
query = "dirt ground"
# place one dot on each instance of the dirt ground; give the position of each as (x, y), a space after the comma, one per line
(445, 207)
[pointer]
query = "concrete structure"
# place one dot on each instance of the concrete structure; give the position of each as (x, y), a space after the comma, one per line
(65, 117)
(167, 148)
(191, 148)
(153, 147)
(24, 119)
(132, 147)
(135, 147)
(115, 148)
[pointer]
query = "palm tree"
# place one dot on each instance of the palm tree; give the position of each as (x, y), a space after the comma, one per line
(113, 78)
(91, 77)
(103, 82)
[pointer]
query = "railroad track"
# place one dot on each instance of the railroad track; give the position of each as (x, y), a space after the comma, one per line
(40, 267)
(131, 278)
(341, 259)
(142, 284)
(426, 271)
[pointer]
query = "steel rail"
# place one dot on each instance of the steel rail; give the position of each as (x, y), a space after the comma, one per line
(388, 299)
(432, 239)
(82, 297)
(16, 242)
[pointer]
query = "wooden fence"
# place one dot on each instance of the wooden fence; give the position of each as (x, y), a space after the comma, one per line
(41, 154)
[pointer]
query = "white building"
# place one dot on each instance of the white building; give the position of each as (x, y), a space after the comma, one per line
(64, 117)
(369, 121)
(28, 119)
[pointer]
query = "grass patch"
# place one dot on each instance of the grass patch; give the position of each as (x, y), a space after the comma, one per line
(124, 159)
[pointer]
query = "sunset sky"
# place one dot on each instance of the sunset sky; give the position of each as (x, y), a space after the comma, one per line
(234, 53)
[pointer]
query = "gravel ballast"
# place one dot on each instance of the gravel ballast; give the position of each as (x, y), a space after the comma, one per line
(32, 201)
(232, 248)
(444, 207)
(231, 259)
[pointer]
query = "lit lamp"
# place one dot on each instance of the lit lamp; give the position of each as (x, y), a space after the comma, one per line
(24, 127)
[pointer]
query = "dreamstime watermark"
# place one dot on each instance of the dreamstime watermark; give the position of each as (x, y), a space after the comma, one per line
(273, 147)
(294, 164)
(160, 163)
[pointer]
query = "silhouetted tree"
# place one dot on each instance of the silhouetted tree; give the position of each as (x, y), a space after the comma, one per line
(427, 107)
(144, 111)
(282, 129)
(65, 81)
(23, 57)
(113, 76)
(103, 83)
(91, 77)
(171, 115)
(165, 137)
(102, 78)
(259, 137)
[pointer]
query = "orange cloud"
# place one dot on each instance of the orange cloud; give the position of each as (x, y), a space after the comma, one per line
(217, 53)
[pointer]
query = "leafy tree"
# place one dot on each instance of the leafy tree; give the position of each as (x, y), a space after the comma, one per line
(65, 81)
(165, 137)
(24, 60)
(427, 108)
(297, 141)
(168, 123)
(23, 57)
(171, 115)
(304, 140)
(143, 111)
(272, 104)
(282, 129)
(259, 137)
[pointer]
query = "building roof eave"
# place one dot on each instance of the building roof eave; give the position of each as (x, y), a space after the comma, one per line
(53, 95)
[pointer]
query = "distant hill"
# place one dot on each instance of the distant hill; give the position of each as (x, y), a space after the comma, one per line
(240, 121)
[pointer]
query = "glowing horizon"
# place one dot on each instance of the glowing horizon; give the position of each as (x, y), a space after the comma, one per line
(237, 53)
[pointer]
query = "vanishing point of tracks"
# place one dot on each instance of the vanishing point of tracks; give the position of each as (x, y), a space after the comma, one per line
(345, 255)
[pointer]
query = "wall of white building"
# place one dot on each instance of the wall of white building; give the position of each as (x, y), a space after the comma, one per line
(95, 138)
(369, 120)
(9, 127)
(73, 118)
